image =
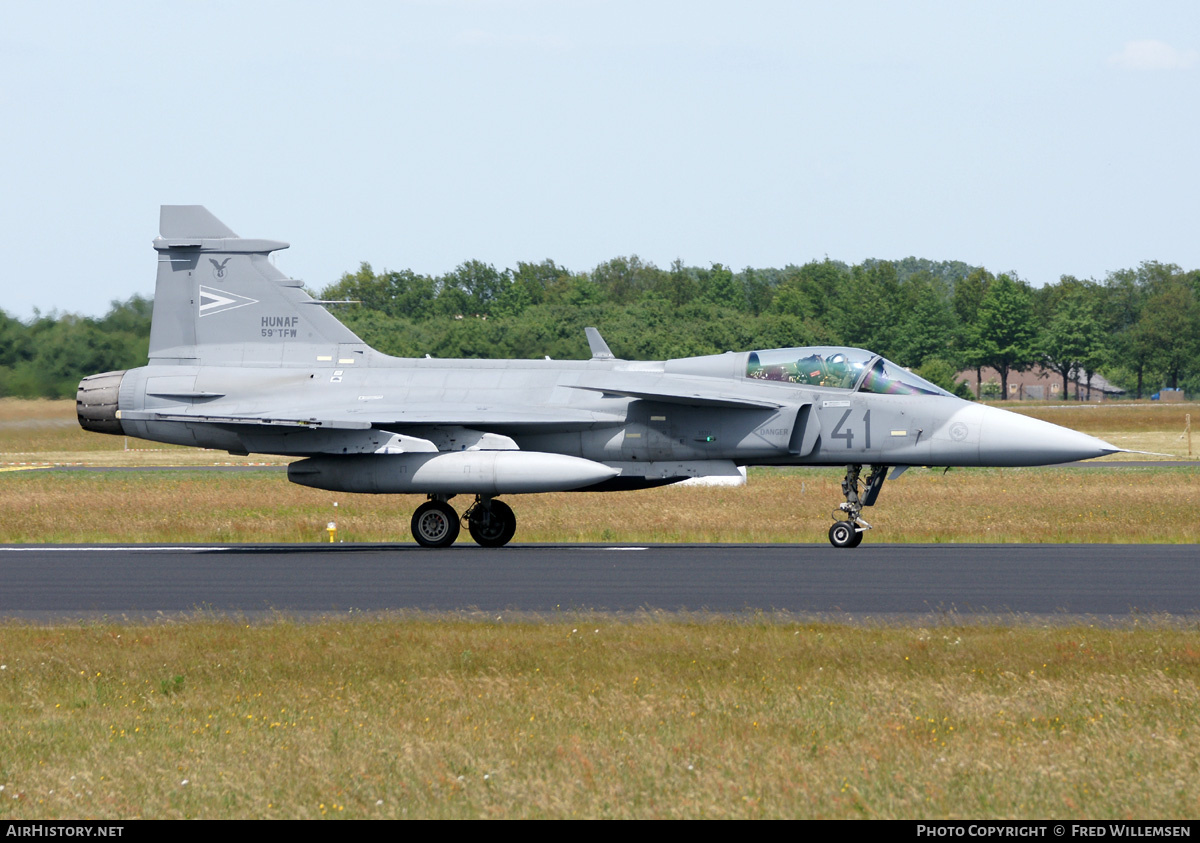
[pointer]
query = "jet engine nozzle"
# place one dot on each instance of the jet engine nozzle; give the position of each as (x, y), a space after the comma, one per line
(97, 403)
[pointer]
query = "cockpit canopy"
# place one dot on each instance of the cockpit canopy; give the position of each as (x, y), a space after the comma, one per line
(837, 368)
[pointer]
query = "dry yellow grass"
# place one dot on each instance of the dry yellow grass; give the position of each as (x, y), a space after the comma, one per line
(589, 717)
(976, 505)
(25, 409)
(47, 432)
(1140, 416)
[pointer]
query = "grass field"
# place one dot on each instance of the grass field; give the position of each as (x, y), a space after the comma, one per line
(587, 717)
(976, 505)
(593, 716)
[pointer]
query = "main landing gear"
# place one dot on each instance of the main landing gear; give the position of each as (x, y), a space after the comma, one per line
(490, 522)
(435, 524)
(848, 532)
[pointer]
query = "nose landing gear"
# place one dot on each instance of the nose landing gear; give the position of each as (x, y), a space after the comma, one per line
(848, 532)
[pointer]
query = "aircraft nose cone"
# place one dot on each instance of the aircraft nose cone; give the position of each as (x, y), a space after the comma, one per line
(1012, 439)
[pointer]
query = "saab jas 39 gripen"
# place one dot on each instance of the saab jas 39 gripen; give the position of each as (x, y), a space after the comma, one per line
(242, 359)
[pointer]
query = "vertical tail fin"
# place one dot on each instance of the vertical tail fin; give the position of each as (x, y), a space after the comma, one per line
(219, 300)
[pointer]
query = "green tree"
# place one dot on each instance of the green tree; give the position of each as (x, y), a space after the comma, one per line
(928, 328)
(1007, 334)
(720, 287)
(1072, 338)
(131, 317)
(471, 289)
(866, 312)
(968, 295)
(399, 294)
(808, 291)
(758, 288)
(1122, 299)
(624, 280)
(15, 344)
(1146, 314)
(1171, 323)
(679, 285)
(941, 373)
(532, 284)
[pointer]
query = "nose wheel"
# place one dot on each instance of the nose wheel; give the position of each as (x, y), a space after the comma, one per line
(845, 534)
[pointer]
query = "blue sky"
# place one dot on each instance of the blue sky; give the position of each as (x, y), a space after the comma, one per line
(1041, 138)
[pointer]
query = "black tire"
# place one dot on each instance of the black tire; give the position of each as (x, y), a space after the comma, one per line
(844, 534)
(435, 524)
(494, 526)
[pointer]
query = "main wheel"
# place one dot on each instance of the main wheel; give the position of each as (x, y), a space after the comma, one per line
(844, 534)
(435, 524)
(493, 525)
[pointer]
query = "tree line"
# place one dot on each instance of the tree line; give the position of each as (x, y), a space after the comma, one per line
(47, 356)
(1139, 327)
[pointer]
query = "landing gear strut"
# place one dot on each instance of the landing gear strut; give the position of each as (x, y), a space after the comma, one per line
(491, 522)
(848, 532)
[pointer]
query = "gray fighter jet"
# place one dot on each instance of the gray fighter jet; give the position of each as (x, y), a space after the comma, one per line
(243, 359)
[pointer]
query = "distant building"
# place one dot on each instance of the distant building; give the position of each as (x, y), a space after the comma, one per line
(1039, 384)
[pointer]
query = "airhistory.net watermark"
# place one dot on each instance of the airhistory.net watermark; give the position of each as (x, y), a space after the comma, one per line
(62, 830)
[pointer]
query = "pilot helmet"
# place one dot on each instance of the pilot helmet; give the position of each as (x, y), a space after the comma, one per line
(837, 365)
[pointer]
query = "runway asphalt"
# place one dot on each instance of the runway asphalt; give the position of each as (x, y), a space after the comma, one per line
(1105, 582)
